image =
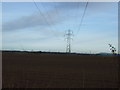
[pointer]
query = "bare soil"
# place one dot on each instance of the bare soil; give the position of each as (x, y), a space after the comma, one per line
(39, 70)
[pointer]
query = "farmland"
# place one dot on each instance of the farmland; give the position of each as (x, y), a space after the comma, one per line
(45, 70)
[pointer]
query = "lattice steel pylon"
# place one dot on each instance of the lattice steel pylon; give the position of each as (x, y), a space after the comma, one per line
(68, 35)
(113, 49)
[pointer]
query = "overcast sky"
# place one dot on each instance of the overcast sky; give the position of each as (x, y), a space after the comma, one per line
(25, 27)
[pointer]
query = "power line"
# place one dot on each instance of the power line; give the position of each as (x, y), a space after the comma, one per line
(41, 13)
(48, 14)
(79, 27)
(56, 10)
(44, 17)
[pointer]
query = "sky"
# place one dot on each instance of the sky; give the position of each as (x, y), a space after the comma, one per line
(0, 26)
(26, 26)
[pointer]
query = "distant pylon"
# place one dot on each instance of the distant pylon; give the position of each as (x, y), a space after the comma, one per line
(113, 49)
(68, 39)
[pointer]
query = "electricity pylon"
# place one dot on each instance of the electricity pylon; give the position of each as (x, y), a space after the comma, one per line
(113, 49)
(68, 39)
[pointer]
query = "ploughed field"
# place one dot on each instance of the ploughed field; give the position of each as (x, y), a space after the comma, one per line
(42, 70)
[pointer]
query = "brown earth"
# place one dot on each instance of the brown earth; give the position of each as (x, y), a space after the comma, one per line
(36, 70)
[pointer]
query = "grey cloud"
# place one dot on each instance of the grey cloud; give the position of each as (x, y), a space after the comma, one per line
(92, 5)
(51, 17)
(23, 22)
(63, 5)
(69, 5)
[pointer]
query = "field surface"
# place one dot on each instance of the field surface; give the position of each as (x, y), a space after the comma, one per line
(42, 70)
